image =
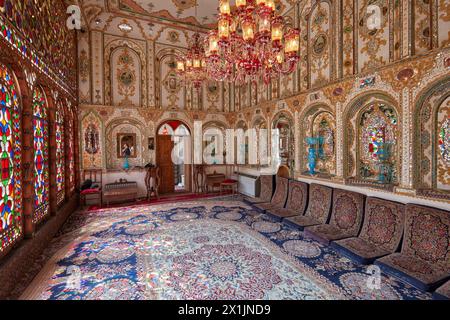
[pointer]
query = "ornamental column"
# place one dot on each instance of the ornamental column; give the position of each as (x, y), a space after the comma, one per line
(27, 154)
(51, 103)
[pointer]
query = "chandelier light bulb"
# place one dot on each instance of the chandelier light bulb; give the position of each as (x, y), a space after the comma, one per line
(241, 3)
(213, 43)
(224, 28)
(292, 41)
(180, 66)
(224, 7)
(248, 32)
(264, 24)
(270, 4)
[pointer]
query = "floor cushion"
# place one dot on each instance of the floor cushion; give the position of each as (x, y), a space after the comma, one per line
(424, 260)
(346, 218)
(381, 233)
(319, 207)
(266, 191)
(443, 293)
(296, 202)
(279, 198)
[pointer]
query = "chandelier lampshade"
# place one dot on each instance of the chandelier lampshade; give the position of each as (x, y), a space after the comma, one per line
(251, 43)
(192, 66)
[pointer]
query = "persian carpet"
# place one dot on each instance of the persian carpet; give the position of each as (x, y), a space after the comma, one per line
(210, 249)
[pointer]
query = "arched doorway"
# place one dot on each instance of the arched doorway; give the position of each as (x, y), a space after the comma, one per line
(173, 155)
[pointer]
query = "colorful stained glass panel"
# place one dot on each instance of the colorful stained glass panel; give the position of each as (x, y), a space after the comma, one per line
(10, 162)
(41, 169)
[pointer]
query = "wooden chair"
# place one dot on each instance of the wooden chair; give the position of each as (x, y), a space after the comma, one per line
(95, 175)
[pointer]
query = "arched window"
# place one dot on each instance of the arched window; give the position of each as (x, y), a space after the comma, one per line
(60, 154)
(70, 149)
(10, 162)
(41, 172)
(378, 143)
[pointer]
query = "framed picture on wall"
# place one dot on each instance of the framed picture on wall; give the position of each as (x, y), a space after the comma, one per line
(126, 145)
(151, 143)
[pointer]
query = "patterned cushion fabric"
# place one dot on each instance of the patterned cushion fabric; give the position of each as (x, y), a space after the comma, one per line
(319, 207)
(298, 197)
(296, 202)
(443, 293)
(266, 190)
(346, 218)
(301, 222)
(424, 260)
(281, 213)
(281, 192)
(90, 191)
(381, 233)
(359, 250)
(420, 274)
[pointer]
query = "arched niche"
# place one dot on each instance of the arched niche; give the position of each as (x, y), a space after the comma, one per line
(131, 132)
(91, 141)
(259, 123)
(283, 139)
(214, 142)
(319, 121)
(432, 140)
(125, 77)
(372, 140)
(171, 93)
(125, 73)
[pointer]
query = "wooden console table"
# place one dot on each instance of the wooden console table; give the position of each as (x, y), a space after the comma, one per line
(152, 176)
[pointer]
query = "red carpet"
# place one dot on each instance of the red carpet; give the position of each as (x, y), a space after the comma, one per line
(163, 199)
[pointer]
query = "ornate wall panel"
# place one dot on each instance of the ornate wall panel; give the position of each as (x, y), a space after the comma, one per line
(125, 72)
(131, 127)
(84, 68)
(97, 67)
(373, 44)
(432, 137)
(92, 141)
(171, 93)
(444, 23)
(320, 43)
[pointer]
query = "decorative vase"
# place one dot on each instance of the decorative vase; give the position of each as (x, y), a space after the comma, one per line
(312, 154)
(126, 164)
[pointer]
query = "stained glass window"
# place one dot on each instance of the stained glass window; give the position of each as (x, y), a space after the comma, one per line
(378, 139)
(70, 150)
(60, 156)
(10, 161)
(41, 172)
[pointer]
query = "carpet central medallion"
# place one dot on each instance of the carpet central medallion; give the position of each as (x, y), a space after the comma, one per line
(235, 263)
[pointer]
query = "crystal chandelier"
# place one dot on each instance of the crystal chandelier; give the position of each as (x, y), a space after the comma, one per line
(251, 43)
(192, 66)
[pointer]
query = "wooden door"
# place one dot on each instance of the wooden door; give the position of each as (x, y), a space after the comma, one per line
(164, 160)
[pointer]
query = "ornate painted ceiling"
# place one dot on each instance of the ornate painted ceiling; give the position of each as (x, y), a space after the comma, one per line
(177, 12)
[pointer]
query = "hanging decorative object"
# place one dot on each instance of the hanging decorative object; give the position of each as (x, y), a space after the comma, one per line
(251, 43)
(192, 66)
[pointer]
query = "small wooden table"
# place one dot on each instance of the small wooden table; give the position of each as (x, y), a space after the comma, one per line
(229, 185)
